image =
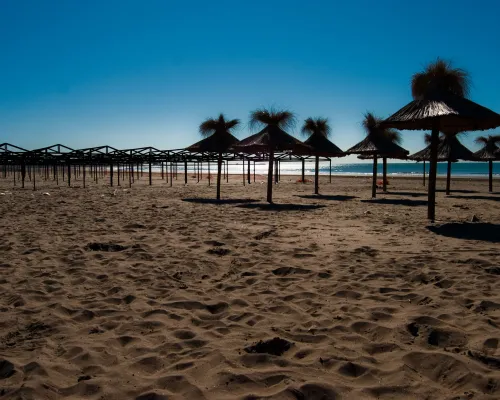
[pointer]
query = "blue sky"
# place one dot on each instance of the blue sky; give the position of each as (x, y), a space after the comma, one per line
(146, 73)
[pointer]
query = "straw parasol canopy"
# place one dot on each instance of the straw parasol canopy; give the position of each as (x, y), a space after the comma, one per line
(379, 142)
(440, 105)
(318, 144)
(488, 152)
(272, 138)
(449, 148)
(219, 141)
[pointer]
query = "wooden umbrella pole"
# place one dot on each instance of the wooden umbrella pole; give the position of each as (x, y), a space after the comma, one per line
(248, 172)
(270, 177)
(219, 173)
(431, 198)
(374, 180)
(303, 171)
(448, 178)
(316, 175)
(254, 171)
(384, 174)
(490, 177)
(84, 168)
(209, 176)
(330, 170)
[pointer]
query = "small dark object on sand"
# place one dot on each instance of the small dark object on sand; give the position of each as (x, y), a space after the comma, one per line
(105, 247)
(6, 369)
(84, 378)
(220, 251)
(276, 346)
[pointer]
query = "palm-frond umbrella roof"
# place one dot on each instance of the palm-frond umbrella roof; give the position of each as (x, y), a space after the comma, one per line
(449, 148)
(320, 145)
(215, 143)
(454, 113)
(271, 136)
(371, 145)
(488, 152)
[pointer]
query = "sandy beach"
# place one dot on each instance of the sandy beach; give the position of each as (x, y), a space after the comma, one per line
(155, 292)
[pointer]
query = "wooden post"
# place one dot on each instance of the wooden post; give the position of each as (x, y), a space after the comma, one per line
(219, 167)
(330, 169)
(117, 175)
(270, 177)
(162, 172)
(171, 173)
(209, 175)
(84, 168)
(490, 178)
(374, 182)
(431, 198)
(34, 178)
(69, 174)
(316, 175)
(248, 172)
(254, 172)
(111, 174)
(185, 171)
(275, 171)
(384, 174)
(303, 171)
(150, 172)
(23, 173)
(130, 175)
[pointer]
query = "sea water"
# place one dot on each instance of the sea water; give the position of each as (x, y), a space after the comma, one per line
(458, 169)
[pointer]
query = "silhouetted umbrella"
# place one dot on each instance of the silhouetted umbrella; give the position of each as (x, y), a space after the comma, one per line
(443, 112)
(318, 144)
(219, 142)
(488, 152)
(377, 143)
(450, 149)
(271, 139)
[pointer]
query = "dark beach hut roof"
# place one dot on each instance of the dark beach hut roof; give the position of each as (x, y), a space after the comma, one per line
(320, 145)
(215, 143)
(453, 113)
(449, 148)
(371, 145)
(271, 136)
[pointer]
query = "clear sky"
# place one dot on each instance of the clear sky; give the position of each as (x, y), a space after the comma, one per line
(146, 73)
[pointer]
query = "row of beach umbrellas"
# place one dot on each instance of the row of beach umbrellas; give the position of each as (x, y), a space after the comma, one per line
(273, 139)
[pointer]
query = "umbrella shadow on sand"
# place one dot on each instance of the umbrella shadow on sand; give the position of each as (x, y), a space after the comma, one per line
(281, 207)
(326, 197)
(398, 202)
(483, 231)
(493, 197)
(223, 201)
(411, 194)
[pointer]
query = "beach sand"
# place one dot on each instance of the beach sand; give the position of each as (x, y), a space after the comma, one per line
(373, 303)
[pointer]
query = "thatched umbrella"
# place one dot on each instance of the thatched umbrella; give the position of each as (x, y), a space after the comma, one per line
(219, 141)
(450, 150)
(379, 142)
(488, 152)
(440, 105)
(270, 139)
(318, 130)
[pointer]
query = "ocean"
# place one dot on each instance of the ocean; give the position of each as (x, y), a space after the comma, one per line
(458, 169)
